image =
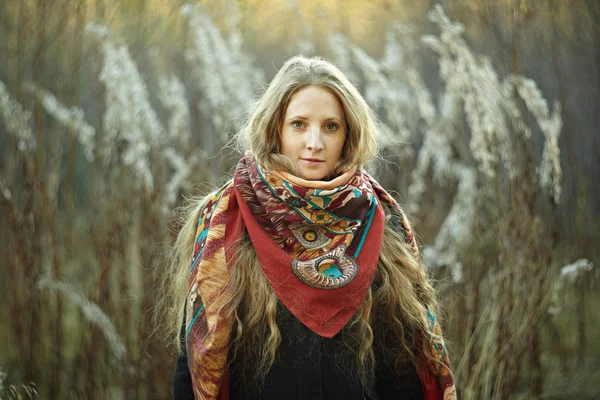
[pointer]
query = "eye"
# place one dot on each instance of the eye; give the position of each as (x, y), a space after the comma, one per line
(330, 126)
(297, 124)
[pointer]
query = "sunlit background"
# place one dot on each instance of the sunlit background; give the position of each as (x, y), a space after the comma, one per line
(112, 112)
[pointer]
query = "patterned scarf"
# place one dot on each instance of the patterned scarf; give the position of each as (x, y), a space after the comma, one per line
(318, 244)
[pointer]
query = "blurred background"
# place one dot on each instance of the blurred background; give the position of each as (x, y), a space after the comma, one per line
(112, 112)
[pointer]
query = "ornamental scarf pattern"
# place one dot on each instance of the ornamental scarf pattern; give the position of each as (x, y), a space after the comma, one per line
(318, 244)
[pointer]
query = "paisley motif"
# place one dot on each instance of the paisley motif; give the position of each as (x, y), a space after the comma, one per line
(310, 236)
(329, 271)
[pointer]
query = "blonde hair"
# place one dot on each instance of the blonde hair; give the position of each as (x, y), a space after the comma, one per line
(397, 303)
(261, 133)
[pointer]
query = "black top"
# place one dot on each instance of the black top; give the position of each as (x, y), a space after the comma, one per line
(309, 366)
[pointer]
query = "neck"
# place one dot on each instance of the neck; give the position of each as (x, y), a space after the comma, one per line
(331, 184)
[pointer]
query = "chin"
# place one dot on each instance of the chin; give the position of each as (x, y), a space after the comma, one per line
(313, 175)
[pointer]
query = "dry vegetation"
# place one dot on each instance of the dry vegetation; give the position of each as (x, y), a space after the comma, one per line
(112, 112)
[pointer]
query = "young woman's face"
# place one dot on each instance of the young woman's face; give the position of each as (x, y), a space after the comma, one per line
(314, 131)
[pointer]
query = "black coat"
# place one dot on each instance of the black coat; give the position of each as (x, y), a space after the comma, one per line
(309, 366)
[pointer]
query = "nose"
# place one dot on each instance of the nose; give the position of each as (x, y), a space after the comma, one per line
(314, 142)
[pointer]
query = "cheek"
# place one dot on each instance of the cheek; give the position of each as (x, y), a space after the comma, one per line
(286, 143)
(341, 144)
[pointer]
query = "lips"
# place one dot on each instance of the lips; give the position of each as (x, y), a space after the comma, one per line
(312, 160)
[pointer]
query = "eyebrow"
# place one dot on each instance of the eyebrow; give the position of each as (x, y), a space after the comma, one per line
(305, 119)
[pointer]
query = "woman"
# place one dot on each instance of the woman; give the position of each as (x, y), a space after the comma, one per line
(305, 280)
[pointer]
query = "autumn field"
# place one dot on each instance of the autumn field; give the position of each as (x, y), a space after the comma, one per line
(113, 113)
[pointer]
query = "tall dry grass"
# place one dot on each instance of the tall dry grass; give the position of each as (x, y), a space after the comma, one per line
(91, 170)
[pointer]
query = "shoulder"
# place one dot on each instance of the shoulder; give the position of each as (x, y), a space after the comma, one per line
(208, 203)
(209, 214)
(217, 194)
(394, 219)
(397, 221)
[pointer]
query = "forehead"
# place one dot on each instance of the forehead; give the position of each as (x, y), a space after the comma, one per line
(315, 101)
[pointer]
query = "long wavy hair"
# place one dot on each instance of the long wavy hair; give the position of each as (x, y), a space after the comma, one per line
(396, 305)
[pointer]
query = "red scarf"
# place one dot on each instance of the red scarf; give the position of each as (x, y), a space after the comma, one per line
(318, 244)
